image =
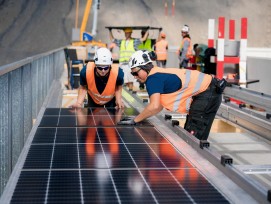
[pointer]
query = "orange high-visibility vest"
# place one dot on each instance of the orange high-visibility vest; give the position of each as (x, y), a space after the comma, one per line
(161, 49)
(193, 83)
(189, 53)
(110, 88)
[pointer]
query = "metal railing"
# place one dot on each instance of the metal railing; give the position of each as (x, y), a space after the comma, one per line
(23, 87)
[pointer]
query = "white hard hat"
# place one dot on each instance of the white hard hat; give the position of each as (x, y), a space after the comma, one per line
(139, 58)
(103, 56)
(185, 28)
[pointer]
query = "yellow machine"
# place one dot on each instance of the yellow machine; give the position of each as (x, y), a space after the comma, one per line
(81, 41)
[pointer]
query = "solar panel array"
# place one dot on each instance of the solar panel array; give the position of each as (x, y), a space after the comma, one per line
(81, 156)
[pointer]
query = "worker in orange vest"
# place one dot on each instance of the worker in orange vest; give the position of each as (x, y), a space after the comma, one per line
(101, 81)
(185, 51)
(161, 48)
(179, 90)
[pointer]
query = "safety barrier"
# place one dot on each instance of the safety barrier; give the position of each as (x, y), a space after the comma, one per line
(24, 86)
(240, 57)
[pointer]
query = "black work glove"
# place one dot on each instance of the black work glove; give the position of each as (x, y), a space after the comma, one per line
(127, 121)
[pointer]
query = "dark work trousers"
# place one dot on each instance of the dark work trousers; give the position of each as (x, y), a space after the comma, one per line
(202, 112)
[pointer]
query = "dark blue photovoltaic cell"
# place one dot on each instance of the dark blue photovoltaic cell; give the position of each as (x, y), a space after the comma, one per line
(31, 187)
(87, 135)
(52, 111)
(130, 135)
(67, 121)
(39, 157)
(165, 188)
(98, 187)
(66, 135)
(92, 156)
(65, 157)
(49, 121)
(108, 135)
(44, 135)
(117, 156)
(144, 156)
(170, 157)
(103, 120)
(197, 186)
(131, 187)
(151, 135)
(85, 121)
(64, 187)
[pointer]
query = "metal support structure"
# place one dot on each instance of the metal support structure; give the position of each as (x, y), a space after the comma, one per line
(24, 86)
(95, 18)
(257, 99)
(246, 119)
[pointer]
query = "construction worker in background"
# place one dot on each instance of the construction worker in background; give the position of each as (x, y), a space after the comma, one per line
(127, 47)
(101, 81)
(199, 50)
(185, 52)
(161, 48)
(148, 45)
(180, 90)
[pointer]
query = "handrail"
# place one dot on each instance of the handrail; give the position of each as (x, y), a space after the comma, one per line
(14, 65)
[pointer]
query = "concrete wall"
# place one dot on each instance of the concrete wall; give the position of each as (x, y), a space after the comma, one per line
(259, 68)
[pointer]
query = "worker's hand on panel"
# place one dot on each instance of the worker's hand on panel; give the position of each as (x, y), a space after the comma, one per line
(127, 121)
(76, 105)
(119, 104)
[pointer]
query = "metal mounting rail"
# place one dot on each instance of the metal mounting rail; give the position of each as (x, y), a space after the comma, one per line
(255, 98)
(246, 119)
(251, 186)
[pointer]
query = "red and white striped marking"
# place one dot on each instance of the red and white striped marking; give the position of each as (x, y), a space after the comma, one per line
(211, 33)
(243, 48)
(221, 59)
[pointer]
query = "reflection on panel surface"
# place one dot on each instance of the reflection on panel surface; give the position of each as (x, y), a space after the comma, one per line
(101, 163)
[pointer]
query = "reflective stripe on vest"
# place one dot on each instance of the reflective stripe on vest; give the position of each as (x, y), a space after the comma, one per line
(126, 52)
(145, 45)
(193, 83)
(161, 49)
(109, 91)
(189, 53)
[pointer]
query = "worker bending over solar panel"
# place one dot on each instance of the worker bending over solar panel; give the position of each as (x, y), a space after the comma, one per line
(179, 90)
(101, 81)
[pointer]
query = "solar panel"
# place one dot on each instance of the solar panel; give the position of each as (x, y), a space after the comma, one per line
(105, 163)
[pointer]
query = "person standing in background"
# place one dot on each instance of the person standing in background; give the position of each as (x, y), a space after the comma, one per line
(161, 48)
(127, 47)
(185, 52)
(199, 50)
